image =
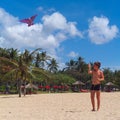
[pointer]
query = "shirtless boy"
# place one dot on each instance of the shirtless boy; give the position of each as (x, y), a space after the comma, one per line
(97, 77)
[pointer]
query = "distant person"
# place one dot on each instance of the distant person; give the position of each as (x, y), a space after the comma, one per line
(7, 89)
(97, 77)
(23, 89)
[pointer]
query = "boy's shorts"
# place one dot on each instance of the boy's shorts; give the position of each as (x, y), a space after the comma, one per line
(96, 87)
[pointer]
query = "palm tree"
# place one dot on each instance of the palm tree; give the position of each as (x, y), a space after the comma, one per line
(4, 52)
(71, 65)
(18, 68)
(53, 65)
(28, 56)
(13, 54)
(22, 69)
(37, 60)
(81, 65)
(41, 59)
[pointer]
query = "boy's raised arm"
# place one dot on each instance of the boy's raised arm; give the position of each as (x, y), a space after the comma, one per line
(89, 69)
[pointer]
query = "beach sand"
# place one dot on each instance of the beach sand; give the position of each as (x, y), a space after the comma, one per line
(59, 106)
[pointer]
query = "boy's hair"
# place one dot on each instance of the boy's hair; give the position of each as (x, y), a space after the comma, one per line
(97, 64)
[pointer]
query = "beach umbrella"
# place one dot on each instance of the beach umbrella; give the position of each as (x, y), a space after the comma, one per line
(30, 85)
(109, 84)
(78, 83)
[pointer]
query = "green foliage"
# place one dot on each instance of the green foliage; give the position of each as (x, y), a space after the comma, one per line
(2, 88)
(60, 78)
(40, 67)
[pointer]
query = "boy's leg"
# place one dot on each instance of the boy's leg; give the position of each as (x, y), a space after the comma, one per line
(98, 99)
(92, 99)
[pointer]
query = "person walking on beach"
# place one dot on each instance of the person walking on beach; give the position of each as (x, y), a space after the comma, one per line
(97, 77)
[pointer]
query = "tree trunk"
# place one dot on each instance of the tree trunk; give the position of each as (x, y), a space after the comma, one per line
(19, 87)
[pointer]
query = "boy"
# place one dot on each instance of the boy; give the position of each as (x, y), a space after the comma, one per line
(97, 77)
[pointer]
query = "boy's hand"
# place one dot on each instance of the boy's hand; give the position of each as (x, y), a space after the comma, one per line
(89, 66)
(89, 69)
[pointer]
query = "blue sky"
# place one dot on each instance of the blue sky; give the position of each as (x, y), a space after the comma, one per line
(66, 29)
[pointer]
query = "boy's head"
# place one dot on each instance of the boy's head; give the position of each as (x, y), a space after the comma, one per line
(98, 64)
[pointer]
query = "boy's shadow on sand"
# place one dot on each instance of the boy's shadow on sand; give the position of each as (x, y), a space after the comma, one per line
(73, 111)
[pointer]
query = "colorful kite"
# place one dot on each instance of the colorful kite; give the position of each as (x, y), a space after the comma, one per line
(29, 21)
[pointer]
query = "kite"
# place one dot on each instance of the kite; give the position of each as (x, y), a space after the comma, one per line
(29, 21)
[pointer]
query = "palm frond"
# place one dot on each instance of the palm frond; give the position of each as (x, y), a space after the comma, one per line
(41, 72)
(36, 50)
(3, 59)
(8, 73)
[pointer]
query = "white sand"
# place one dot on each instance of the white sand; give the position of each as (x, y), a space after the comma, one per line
(62, 106)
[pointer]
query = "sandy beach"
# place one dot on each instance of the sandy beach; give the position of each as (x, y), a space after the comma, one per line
(61, 106)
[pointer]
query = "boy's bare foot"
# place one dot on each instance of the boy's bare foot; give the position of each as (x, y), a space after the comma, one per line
(97, 109)
(93, 109)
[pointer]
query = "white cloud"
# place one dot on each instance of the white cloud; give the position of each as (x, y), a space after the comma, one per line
(40, 8)
(46, 11)
(6, 19)
(73, 54)
(100, 31)
(56, 23)
(48, 35)
(51, 10)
